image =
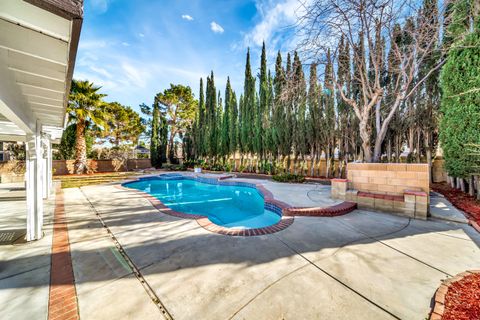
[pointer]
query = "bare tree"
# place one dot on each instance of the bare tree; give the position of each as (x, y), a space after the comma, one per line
(371, 27)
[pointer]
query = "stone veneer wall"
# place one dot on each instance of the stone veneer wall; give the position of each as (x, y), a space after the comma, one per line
(388, 178)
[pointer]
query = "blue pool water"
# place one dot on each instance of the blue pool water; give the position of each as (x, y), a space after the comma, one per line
(227, 206)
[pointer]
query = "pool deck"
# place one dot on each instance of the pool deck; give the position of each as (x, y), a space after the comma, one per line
(363, 265)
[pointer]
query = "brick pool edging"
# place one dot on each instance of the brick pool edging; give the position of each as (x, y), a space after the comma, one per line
(439, 307)
(283, 209)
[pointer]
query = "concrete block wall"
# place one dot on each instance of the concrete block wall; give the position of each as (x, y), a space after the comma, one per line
(63, 167)
(388, 178)
(402, 189)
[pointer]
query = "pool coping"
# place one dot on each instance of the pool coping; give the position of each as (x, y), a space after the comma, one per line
(286, 211)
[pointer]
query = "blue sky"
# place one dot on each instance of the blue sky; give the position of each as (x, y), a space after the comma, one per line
(134, 49)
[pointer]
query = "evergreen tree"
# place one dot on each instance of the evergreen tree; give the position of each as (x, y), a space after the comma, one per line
(226, 121)
(460, 105)
(249, 106)
(233, 124)
(278, 125)
(260, 114)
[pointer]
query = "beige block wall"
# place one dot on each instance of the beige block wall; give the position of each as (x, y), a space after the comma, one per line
(63, 167)
(388, 178)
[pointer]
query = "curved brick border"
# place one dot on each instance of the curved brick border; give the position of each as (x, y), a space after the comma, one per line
(439, 307)
(286, 211)
(333, 211)
(62, 301)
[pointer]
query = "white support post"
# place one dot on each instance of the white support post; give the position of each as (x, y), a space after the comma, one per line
(47, 166)
(35, 185)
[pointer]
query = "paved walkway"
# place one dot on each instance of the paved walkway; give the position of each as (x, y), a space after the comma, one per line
(363, 265)
(24, 268)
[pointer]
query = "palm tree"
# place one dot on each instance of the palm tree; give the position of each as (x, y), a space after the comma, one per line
(86, 108)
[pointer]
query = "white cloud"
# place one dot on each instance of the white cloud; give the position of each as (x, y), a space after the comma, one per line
(141, 35)
(187, 17)
(274, 18)
(216, 27)
(126, 44)
(100, 71)
(136, 75)
(100, 6)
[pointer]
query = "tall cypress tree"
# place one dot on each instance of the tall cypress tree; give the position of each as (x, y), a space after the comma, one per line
(313, 127)
(279, 128)
(226, 121)
(329, 101)
(300, 108)
(262, 104)
(200, 137)
(155, 137)
(233, 124)
(249, 105)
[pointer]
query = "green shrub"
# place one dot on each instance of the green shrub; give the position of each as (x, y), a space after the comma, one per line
(288, 177)
(174, 167)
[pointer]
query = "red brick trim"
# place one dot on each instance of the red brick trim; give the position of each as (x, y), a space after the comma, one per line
(62, 302)
(474, 224)
(333, 211)
(415, 193)
(380, 196)
(339, 180)
(437, 312)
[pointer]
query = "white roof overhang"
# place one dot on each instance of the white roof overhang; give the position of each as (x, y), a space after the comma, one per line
(38, 45)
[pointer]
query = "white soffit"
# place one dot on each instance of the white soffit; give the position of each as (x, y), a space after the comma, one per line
(34, 61)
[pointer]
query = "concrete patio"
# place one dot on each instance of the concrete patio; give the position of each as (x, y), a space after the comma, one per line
(363, 265)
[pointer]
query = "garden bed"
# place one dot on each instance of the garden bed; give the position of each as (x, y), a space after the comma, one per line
(462, 201)
(458, 298)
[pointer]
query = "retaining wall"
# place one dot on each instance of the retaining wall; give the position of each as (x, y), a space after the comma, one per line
(388, 178)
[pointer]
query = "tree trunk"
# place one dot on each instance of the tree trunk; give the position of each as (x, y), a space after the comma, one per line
(312, 163)
(452, 182)
(365, 136)
(462, 184)
(477, 183)
(80, 148)
(418, 146)
(471, 186)
(428, 153)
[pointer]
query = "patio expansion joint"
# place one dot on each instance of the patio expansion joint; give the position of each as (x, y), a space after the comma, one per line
(135, 270)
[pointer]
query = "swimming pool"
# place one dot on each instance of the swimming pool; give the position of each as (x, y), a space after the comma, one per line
(238, 206)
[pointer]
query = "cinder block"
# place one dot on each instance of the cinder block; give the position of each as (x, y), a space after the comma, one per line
(410, 198)
(352, 195)
(417, 167)
(377, 180)
(362, 179)
(399, 205)
(366, 202)
(396, 167)
(383, 204)
(367, 187)
(421, 200)
(386, 188)
(408, 213)
(422, 175)
(406, 175)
